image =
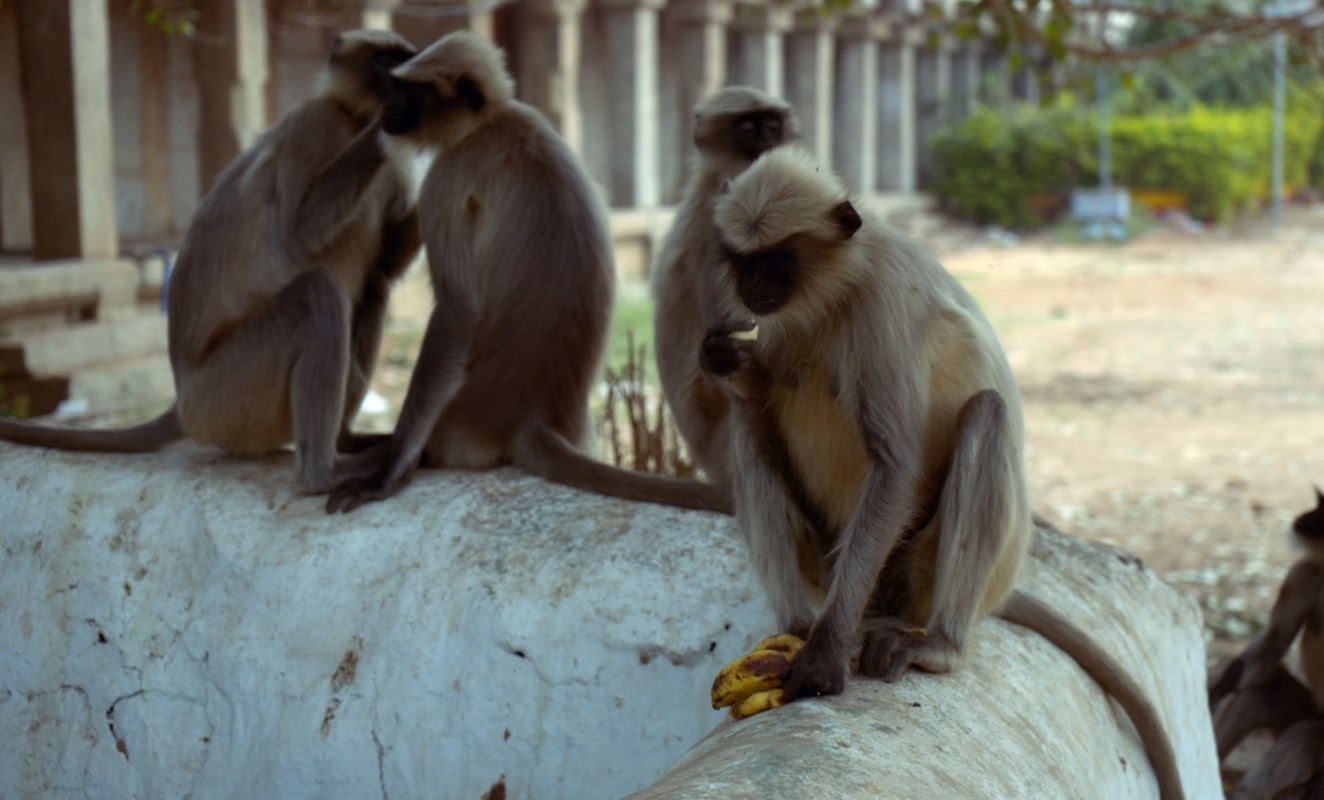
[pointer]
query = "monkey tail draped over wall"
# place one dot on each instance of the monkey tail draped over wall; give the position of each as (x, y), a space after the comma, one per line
(183, 624)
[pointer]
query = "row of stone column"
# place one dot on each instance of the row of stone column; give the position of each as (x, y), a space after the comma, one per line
(870, 83)
(618, 79)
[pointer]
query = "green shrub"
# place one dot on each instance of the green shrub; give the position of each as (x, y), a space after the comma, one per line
(990, 165)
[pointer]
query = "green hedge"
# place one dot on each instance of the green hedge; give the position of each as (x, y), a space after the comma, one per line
(990, 165)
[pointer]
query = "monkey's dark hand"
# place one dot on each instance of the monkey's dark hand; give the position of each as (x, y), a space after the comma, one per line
(369, 479)
(892, 646)
(722, 354)
(815, 671)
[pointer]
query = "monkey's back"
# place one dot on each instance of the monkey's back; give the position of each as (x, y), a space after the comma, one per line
(237, 252)
(513, 228)
(963, 356)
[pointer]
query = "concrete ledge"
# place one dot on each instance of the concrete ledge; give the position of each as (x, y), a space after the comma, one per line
(64, 348)
(83, 289)
(183, 624)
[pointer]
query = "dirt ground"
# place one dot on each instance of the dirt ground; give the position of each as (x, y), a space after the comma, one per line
(1174, 394)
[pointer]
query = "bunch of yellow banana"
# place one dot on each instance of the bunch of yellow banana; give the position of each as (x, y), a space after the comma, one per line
(752, 683)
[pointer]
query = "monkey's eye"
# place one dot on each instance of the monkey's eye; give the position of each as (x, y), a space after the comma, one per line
(745, 127)
(772, 125)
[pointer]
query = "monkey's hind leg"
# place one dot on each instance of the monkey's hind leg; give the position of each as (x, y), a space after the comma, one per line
(1292, 768)
(975, 513)
(281, 372)
(1274, 703)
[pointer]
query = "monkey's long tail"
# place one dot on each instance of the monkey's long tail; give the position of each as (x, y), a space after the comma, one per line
(1030, 613)
(547, 454)
(149, 436)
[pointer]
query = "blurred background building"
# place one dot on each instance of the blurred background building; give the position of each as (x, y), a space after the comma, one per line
(116, 115)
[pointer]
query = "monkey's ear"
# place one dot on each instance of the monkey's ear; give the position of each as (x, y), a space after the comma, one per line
(847, 219)
(468, 90)
(1319, 498)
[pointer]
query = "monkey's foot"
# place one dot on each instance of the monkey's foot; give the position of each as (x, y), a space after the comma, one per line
(815, 671)
(350, 494)
(752, 683)
(353, 492)
(315, 476)
(892, 646)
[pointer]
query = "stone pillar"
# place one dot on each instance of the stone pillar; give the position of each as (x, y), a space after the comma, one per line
(995, 77)
(964, 80)
(140, 127)
(810, 52)
(855, 139)
(897, 162)
(230, 60)
(154, 92)
(425, 21)
(933, 89)
(1025, 81)
(370, 16)
(15, 177)
(758, 52)
(700, 64)
(549, 47)
(64, 52)
(632, 31)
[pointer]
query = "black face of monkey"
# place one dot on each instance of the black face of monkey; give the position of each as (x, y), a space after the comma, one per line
(367, 65)
(765, 279)
(755, 133)
(404, 106)
(383, 62)
(412, 103)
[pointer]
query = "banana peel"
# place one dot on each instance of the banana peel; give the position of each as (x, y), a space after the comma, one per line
(752, 683)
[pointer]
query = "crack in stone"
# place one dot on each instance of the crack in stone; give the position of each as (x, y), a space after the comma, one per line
(120, 744)
(381, 765)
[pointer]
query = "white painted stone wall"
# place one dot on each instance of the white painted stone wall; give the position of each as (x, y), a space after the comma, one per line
(183, 624)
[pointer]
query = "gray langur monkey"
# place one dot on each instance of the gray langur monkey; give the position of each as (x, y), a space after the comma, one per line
(1261, 693)
(522, 266)
(277, 299)
(732, 127)
(877, 454)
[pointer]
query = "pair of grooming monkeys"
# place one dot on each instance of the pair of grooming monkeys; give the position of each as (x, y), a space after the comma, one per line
(869, 440)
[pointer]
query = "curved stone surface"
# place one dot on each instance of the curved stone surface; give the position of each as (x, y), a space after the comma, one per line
(183, 624)
(1018, 719)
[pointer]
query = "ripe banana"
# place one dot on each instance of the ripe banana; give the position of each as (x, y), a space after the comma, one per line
(785, 642)
(758, 702)
(753, 681)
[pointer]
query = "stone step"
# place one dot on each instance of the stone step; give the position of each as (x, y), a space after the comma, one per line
(26, 396)
(62, 350)
(67, 290)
